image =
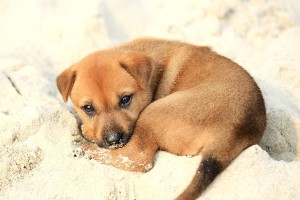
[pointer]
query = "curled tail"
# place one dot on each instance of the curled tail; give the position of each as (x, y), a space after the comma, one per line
(207, 171)
(214, 161)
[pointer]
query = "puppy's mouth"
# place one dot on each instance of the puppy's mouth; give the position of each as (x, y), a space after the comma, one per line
(105, 145)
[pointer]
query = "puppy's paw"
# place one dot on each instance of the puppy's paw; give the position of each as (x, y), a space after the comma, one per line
(96, 153)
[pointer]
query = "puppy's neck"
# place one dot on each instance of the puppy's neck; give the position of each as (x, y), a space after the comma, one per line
(156, 77)
(169, 71)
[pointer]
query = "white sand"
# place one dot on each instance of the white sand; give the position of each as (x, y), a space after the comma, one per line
(38, 133)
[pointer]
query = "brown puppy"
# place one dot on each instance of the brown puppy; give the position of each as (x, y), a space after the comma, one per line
(158, 94)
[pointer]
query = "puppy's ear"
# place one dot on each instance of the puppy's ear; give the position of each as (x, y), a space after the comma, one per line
(65, 82)
(139, 67)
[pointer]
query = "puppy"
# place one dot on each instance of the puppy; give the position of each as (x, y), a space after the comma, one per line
(152, 94)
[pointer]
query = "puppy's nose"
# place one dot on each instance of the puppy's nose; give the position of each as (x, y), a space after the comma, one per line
(113, 138)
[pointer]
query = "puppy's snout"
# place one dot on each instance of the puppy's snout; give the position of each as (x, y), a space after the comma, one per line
(113, 138)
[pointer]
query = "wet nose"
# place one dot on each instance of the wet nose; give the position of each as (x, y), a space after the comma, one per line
(113, 138)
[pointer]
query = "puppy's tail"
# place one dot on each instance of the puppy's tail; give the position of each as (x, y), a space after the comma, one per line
(208, 170)
(213, 162)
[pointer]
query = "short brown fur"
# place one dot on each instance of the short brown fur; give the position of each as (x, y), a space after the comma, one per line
(186, 100)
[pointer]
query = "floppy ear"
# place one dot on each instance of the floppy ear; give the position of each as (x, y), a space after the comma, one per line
(65, 82)
(139, 67)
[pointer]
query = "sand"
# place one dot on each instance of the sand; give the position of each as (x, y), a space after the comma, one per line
(38, 133)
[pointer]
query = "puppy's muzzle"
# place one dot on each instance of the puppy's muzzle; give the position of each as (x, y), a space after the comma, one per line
(114, 140)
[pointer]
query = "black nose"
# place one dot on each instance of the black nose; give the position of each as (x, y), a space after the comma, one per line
(113, 138)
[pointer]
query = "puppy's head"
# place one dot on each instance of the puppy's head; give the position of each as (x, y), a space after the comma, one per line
(109, 89)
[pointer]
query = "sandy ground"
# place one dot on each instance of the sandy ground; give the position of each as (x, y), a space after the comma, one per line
(38, 132)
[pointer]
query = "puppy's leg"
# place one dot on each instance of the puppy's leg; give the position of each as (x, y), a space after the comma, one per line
(137, 155)
(203, 122)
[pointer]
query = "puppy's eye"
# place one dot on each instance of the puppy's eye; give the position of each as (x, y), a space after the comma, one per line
(89, 110)
(125, 101)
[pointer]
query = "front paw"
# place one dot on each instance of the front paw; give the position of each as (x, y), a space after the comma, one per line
(96, 153)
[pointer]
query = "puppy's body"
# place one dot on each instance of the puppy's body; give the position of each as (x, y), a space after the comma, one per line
(186, 100)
